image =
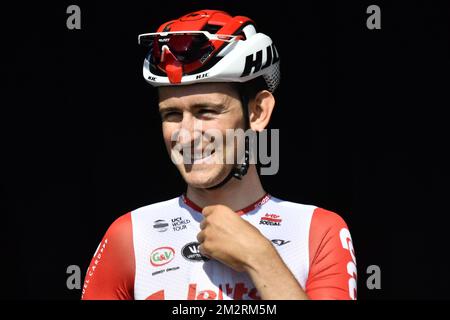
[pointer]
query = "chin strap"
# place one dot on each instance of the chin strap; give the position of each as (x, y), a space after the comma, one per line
(239, 170)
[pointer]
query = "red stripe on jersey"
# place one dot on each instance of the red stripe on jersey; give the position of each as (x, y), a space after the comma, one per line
(111, 273)
(331, 256)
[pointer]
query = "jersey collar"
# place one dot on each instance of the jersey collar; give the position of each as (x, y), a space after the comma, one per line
(245, 210)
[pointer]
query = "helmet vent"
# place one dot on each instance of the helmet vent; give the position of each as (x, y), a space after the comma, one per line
(212, 28)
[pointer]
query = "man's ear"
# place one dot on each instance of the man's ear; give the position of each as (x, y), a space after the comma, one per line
(260, 110)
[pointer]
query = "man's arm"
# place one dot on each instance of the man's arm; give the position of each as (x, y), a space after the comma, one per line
(230, 239)
(111, 273)
(332, 271)
(272, 278)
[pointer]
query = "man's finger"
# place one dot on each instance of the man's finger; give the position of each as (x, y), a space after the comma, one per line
(208, 210)
(201, 249)
(201, 237)
(203, 224)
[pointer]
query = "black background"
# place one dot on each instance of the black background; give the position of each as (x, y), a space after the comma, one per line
(360, 113)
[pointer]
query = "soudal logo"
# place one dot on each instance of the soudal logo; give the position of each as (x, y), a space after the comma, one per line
(160, 225)
(255, 64)
(270, 219)
(179, 223)
(162, 256)
(237, 291)
(191, 252)
(280, 242)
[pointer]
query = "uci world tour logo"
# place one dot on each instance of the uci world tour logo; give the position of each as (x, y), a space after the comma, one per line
(160, 225)
(178, 224)
(162, 256)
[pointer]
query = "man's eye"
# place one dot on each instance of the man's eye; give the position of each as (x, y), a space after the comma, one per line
(204, 112)
(171, 116)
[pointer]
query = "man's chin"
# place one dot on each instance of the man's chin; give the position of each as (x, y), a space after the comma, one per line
(204, 179)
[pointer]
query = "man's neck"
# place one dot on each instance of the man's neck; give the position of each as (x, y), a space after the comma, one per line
(235, 194)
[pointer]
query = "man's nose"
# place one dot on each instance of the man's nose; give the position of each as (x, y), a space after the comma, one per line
(189, 131)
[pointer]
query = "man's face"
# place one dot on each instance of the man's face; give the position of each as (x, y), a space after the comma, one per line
(188, 114)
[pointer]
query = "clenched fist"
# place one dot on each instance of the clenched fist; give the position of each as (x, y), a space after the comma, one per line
(228, 238)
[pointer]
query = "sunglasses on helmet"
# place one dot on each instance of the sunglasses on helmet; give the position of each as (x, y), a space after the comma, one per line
(186, 46)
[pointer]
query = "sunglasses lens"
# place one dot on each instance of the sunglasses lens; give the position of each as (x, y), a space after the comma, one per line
(187, 48)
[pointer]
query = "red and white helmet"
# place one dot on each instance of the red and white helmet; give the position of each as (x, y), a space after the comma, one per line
(209, 46)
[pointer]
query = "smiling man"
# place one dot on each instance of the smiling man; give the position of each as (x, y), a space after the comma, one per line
(226, 237)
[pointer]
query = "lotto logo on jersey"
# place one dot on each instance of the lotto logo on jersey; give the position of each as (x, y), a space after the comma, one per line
(162, 256)
(237, 291)
(270, 219)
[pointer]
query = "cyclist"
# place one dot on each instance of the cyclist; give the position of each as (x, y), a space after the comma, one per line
(225, 237)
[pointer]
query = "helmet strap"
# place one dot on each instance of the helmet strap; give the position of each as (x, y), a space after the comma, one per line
(239, 170)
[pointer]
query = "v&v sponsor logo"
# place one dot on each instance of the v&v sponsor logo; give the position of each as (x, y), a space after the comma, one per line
(162, 256)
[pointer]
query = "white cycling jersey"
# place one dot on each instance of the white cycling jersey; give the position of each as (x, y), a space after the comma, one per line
(152, 253)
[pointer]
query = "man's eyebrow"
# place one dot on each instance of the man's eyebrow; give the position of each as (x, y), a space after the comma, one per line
(214, 105)
(195, 106)
(168, 109)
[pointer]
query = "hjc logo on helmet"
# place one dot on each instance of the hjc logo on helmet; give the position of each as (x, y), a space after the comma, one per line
(256, 64)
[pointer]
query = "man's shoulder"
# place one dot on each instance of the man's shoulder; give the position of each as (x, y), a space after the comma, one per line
(157, 207)
(327, 223)
(123, 224)
(328, 217)
(294, 210)
(292, 206)
(325, 217)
